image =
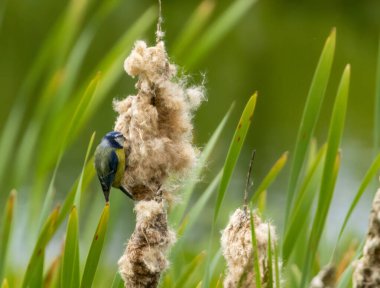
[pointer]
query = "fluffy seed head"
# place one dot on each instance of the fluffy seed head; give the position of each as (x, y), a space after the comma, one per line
(367, 269)
(144, 258)
(156, 122)
(237, 248)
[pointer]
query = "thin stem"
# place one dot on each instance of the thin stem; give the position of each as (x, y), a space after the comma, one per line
(247, 185)
(159, 33)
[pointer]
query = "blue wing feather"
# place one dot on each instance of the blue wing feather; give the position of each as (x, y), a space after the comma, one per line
(107, 180)
(114, 161)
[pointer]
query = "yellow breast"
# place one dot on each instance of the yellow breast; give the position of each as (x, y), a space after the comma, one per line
(120, 168)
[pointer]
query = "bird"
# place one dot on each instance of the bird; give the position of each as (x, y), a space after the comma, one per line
(110, 163)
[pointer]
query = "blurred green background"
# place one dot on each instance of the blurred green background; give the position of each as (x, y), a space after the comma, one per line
(274, 48)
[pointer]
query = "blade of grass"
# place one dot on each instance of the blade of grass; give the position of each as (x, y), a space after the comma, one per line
(52, 276)
(85, 177)
(65, 32)
(68, 75)
(303, 204)
(194, 25)
(179, 212)
(8, 138)
(210, 265)
(110, 68)
(49, 195)
(262, 202)
(192, 217)
(79, 191)
(79, 51)
(330, 170)
(234, 151)
(371, 173)
(277, 266)
(43, 239)
(345, 281)
(5, 283)
(65, 122)
(96, 249)
(220, 281)
(37, 277)
(117, 281)
(70, 20)
(309, 117)
(70, 265)
(6, 227)
(255, 252)
(49, 50)
(89, 174)
(294, 276)
(311, 261)
(215, 261)
(196, 209)
(28, 143)
(189, 270)
(218, 29)
(229, 165)
(70, 71)
(60, 116)
(56, 219)
(270, 177)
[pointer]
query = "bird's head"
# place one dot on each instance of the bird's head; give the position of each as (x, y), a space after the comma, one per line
(115, 139)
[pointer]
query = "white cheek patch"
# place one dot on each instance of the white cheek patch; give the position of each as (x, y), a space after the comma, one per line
(120, 140)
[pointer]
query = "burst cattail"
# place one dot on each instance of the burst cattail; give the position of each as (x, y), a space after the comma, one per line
(156, 122)
(325, 278)
(367, 269)
(144, 258)
(158, 130)
(237, 249)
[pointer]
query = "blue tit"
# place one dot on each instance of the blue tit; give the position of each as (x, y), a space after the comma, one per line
(110, 163)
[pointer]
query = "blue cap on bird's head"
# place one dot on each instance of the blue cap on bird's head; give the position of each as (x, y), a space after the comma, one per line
(115, 139)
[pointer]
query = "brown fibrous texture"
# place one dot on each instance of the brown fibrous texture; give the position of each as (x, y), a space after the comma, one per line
(157, 126)
(144, 258)
(325, 278)
(237, 249)
(157, 122)
(367, 269)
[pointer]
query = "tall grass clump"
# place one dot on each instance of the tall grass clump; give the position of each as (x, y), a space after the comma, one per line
(68, 237)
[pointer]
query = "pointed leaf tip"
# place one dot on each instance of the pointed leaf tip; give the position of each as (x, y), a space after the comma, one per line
(333, 33)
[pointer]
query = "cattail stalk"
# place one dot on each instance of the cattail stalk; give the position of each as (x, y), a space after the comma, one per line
(159, 151)
(367, 269)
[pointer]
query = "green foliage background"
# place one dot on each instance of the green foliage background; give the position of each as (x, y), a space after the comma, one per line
(48, 78)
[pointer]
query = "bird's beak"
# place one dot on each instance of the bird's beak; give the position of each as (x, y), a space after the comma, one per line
(107, 196)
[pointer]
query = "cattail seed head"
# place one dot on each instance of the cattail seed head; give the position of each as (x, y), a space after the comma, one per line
(144, 258)
(237, 248)
(367, 269)
(156, 122)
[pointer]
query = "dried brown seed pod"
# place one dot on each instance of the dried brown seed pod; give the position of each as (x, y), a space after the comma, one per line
(237, 248)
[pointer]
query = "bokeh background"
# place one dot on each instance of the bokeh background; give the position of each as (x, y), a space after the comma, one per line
(273, 48)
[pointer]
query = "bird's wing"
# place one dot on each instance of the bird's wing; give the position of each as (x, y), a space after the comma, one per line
(107, 179)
